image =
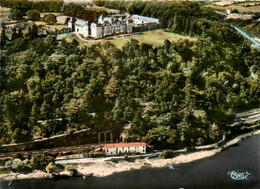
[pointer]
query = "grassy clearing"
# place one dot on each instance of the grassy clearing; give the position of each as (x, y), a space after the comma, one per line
(154, 37)
(241, 9)
(103, 9)
(55, 26)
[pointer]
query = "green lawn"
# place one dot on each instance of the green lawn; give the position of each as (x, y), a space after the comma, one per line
(55, 26)
(114, 11)
(241, 9)
(154, 37)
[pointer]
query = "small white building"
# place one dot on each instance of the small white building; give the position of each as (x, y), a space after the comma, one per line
(143, 19)
(123, 148)
(229, 11)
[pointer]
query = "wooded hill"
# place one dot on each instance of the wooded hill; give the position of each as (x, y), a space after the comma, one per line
(171, 94)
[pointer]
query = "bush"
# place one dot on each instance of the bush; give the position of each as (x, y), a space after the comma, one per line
(164, 154)
(114, 160)
(50, 167)
(19, 156)
(33, 15)
(40, 161)
(96, 154)
(68, 168)
(146, 166)
(18, 165)
(36, 162)
(71, 169)
(50, 19)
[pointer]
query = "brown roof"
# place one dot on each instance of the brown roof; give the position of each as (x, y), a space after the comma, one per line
(119, 145)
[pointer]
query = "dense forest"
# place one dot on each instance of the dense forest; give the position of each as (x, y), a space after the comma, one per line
(181, 17)
(171, 94)
(25, 5)
(83, 13)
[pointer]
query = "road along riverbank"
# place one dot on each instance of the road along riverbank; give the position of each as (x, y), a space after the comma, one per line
(105, 168)
(233, 168)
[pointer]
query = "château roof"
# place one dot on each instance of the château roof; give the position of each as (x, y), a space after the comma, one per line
(144, 18)
(81, 22)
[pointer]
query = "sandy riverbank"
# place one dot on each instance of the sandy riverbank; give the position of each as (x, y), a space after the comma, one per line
(106, 168)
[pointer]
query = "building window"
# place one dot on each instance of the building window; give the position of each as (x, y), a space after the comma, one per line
(122, 148)
(107, 150)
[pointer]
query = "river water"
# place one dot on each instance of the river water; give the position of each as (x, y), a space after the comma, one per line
(212, 172)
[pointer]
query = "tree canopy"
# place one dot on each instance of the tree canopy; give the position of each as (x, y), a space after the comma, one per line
(34, 15)
(171, 94)
(50, 19)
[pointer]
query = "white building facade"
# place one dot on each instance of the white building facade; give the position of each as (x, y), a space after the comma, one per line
(137, 19)
(104, 27)
(81, 26)
(124, 148)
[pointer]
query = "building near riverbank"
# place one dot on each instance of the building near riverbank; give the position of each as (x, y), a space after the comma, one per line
(124, 148)
(112, 25)
(104, 27)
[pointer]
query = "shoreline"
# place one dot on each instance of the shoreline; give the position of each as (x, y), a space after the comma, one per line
(106, 168)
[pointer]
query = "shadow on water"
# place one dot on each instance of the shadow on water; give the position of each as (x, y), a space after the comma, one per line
(212, 172)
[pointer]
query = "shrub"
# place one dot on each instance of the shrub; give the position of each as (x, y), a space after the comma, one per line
(18, 165)
(164, 154)
(146, 166)
(114, 160)
(33, 15)
(50, 167)
(68, 168)
(40, 161)
(71, 169)
(50, 19)
(19, 156)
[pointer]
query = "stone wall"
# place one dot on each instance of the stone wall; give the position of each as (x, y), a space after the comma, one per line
(86, 136)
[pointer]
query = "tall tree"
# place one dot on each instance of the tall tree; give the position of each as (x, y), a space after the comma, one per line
(20, 33)
(34, 31)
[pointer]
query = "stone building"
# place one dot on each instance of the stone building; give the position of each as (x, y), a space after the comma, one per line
(114, 24)
(124, 148)
(137, 19)
(104, 27)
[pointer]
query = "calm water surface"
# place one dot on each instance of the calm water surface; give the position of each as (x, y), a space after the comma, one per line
(206, 173)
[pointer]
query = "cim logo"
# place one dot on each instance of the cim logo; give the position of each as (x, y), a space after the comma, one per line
(238, 175)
